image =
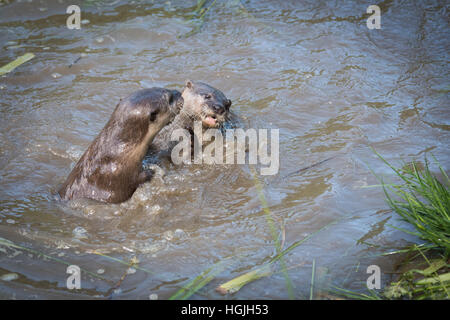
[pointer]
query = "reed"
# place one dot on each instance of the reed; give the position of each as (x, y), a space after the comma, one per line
(200, 281)
(265, 270)
(14, 64)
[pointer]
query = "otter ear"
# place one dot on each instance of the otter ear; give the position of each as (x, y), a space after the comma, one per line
(189, 84)
(228, 104)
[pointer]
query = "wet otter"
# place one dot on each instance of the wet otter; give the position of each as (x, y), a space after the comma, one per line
(202, 102)
(111, 170)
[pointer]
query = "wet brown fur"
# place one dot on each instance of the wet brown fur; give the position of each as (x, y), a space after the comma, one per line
(110, 170)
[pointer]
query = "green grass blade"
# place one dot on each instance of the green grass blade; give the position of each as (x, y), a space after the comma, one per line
(237, 283)
(273, 232)
(14, 64)
(311, 293)
(199, 282)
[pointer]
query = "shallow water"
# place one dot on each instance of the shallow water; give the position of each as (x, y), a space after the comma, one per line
(312, 69)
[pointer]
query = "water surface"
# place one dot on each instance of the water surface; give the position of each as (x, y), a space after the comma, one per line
(312, 69)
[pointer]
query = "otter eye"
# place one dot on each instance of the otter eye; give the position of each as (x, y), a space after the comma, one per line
(207, 96)
(153, 115)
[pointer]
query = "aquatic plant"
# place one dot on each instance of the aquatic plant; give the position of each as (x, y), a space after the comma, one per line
(14, 64)
(265, 270)
(431, 282)
(423, 201)
(200, 281)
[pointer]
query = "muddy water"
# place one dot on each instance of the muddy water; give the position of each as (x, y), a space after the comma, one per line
(312, 69)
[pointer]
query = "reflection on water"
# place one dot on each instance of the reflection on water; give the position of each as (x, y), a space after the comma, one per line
(311, 69)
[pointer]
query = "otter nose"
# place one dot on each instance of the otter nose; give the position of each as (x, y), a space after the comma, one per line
(218, 108)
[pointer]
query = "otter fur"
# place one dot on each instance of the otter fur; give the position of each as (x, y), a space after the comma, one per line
(202, 102)
(111, 168)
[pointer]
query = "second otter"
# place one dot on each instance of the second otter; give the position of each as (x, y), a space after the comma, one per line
(202, 102)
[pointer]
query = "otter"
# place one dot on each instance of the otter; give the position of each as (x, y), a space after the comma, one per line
(111, 168)
(202, 102)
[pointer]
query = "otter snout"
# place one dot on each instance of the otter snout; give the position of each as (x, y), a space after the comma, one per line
(219, 109)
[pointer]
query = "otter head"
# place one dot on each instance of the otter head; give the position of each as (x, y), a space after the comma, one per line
(205, 103)
(146, 112)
